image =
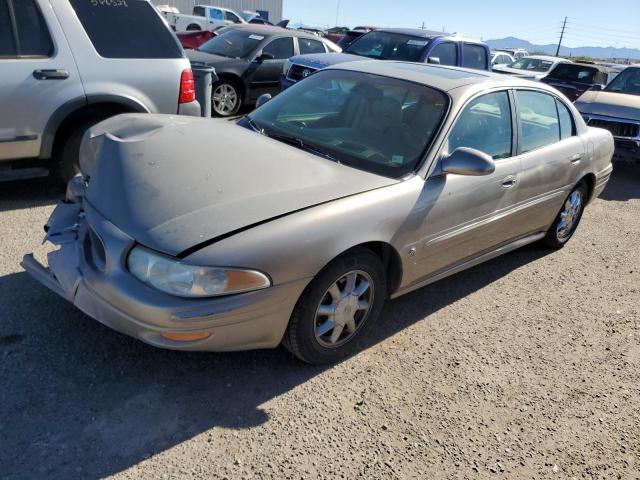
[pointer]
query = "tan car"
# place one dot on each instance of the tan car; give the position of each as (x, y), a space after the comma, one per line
(617, 108)
(362, 182)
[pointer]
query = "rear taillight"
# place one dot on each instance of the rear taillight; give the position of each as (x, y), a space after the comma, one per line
(187, 87)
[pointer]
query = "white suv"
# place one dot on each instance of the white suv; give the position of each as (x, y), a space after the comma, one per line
(68, 64)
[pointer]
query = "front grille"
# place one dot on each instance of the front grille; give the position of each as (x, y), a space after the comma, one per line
(298, 72)
(618, 129)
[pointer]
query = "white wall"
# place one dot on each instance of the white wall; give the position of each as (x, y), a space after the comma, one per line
(274, 7)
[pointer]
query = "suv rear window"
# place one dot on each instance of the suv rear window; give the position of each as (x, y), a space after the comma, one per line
(126, 29)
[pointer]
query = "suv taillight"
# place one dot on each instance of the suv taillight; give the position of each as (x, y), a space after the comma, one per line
(187, 87)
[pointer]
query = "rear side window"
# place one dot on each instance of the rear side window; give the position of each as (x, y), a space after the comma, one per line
(310, 46)
(24, 18)
(126, 29)
(8, 46)
(566, 121)
(485, 125)
(446, 53)
(538, 120)
(474, 56)
(280, 48)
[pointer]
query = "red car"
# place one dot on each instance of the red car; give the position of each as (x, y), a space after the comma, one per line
(194, 39)
(573, 79)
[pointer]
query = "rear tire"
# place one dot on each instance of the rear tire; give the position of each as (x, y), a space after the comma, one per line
(337, 309)
(568, 218)
(193, 28)
(69, 159)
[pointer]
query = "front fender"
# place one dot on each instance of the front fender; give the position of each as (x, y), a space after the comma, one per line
(299, 245)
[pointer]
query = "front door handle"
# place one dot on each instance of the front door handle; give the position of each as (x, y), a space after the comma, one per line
(575, 158)
(509, 181)
(54, 74)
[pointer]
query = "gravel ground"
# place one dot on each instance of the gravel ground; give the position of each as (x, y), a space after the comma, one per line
(525, 367)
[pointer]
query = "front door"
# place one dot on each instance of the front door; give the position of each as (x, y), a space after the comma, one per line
(266, 76)
(466, 216)
(37, 75)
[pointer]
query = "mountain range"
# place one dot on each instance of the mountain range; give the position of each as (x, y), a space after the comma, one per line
(550, 49)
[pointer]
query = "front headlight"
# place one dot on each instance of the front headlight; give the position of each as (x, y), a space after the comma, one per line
(285, 67)
(180, 279)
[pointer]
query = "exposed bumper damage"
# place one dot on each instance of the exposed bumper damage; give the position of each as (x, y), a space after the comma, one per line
(89, 270)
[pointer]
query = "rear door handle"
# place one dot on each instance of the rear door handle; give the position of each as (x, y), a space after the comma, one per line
(54, 74)
(509, 181)
(575, 158)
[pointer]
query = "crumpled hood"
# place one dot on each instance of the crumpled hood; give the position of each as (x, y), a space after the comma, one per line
(324, 60)
(610, 104)
(173, 182)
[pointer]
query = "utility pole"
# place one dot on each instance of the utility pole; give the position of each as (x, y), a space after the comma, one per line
(561, 35)
(337, 13)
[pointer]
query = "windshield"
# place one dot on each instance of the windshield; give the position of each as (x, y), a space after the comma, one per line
(575, 73)
(388, 46)
(378, 124)
(628, 81)
(233, 43)
(532, 65)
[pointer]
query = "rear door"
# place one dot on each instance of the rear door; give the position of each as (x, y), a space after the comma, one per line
(550, 152)
(37, 75)
(467, 215)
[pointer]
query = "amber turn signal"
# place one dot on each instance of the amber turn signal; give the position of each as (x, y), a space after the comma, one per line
(185, 336)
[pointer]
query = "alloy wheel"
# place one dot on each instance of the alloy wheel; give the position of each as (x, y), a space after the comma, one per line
(225, 99)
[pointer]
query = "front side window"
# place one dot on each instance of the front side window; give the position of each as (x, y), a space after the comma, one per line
(126, 29)
(280, 48)
(308, 45)
(566, 121)
(538, 120)
(232, 17)
(24, 18)
(378, 124)
(474, 56)
(485, 125)
(446, 53)
(388, 46)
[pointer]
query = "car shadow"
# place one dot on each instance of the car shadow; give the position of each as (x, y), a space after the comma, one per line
(624, 183)
(36, 192)
(80, 400)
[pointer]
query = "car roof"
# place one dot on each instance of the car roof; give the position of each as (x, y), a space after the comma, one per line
(545, 57)
(427, 34)
(273, 30)
(441, 77)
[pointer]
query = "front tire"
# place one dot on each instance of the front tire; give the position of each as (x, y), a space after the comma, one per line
(226, 98)
(337, 309)
(568, 218)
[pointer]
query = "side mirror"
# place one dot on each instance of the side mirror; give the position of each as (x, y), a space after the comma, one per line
(434, 60)
(468, 161)
(262, 99)
(596, 88)
(262, 56)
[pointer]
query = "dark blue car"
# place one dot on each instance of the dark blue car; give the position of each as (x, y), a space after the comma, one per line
(405, 44)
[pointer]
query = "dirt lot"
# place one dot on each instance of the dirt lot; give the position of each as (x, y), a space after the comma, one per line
(524, 367)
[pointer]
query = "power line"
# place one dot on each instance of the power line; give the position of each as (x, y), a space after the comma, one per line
(594, 27)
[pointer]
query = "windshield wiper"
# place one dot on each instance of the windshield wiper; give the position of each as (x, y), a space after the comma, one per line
(298, 142)
(254, 125)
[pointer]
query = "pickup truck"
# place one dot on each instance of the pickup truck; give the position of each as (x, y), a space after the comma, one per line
(204, 17)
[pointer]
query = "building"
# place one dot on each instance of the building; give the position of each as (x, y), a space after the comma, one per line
(272, 7)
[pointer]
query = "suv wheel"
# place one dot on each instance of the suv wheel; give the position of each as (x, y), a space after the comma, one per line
(226, 98)
(337, 309)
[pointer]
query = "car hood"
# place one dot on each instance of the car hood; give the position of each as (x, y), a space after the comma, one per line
(323, 60)
(174, 182)
(519, 73)
(610, 104)
(196, 56)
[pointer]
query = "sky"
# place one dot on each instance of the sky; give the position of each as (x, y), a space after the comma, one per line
(590, 23)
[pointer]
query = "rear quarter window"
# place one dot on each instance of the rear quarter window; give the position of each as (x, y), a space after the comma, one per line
(126, 29)
(474, 56)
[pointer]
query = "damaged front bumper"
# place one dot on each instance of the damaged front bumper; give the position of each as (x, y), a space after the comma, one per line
(89, 270)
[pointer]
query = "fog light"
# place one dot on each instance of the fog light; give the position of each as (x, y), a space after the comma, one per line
(185, 336)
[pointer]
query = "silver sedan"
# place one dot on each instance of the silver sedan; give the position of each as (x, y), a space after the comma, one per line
(361, 183)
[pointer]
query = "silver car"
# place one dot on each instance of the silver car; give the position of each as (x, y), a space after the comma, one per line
(363, 182)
